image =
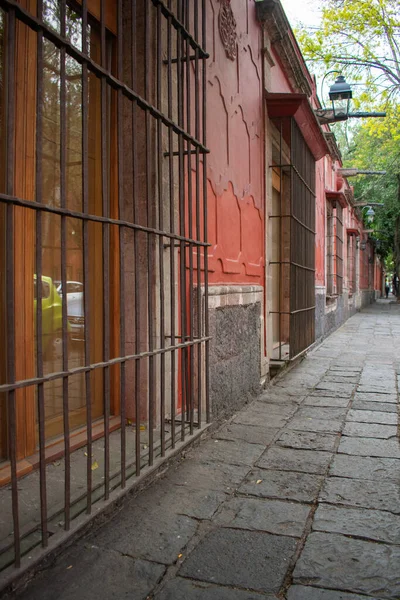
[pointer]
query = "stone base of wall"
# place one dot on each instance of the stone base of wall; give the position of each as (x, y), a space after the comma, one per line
(367, 297)
(235, 316)
(331, 313)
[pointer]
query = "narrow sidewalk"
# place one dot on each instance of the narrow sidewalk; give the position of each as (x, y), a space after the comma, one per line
(297, 497)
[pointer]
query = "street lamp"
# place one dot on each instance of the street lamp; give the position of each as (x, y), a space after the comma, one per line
(340, 94)
(370, 212)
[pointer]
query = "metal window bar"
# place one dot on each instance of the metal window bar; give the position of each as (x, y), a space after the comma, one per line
(339, 249)
(351, 263)
(329, 249)
(297, 254)
(152, 251)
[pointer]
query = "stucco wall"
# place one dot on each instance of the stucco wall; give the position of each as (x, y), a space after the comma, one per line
(235, 138)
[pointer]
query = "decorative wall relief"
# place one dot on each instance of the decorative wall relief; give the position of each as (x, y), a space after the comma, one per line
(227, 28)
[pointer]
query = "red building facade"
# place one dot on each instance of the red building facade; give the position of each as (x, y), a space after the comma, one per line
(166, 156)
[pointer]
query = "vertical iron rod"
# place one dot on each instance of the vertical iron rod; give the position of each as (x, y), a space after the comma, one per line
(172, 229)
(86, 260)
(161, 227)
(182, 250)
(198, 221)
(63, 202)
(190, 317)
(121, 245)
(39, 320)
(205, 214)
(136, 218)
(106, 252)
(150, 240)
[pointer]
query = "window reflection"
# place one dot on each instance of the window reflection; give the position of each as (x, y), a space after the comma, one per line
(62, 271)
(2, 239)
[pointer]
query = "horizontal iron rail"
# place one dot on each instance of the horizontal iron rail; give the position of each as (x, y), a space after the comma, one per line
(288, 262)
(291, 312)
(99, 365)
(290, 166)
(88, 217)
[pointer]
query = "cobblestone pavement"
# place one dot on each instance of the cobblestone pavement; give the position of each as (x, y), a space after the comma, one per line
(297, 497)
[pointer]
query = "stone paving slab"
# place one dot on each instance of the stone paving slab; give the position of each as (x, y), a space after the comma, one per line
(374, 397)
(372, 430)
(363, 405)
(254, 417)
(341, 377)
(326, 393)
(300, 592)
(271, 408)
(152, 534)
(381, 390)
(339, 388)
(374, 525)
(373, 416)
(284, 391)
(184, 589)
(93, 574)
(235, 452)
(350, 369)
(272, 516)
(288, 459)
(307, 440)
(289, 485)
(311, 424)
(326, 401)
(315, 412)
(337, 562)
(364, 447)
(362, 493)
(247, 559)
(212, 476)
(253, 434)
(365, 467)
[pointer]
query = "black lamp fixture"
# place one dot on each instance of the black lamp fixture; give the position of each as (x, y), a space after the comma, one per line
(340, 95)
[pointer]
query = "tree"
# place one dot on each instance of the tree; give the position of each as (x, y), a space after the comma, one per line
(362, 39)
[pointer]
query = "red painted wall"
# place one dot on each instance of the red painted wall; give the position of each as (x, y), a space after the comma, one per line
(235, 138)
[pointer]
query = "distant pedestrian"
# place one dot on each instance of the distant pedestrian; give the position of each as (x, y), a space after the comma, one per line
(387, 288)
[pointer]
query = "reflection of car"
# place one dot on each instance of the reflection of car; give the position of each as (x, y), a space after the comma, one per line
(74, 308)
(51, 318)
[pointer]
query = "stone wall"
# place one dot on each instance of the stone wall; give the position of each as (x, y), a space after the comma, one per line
(332, 314)
(235, 316)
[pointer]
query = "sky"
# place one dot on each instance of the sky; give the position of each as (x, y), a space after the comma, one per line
(305, 11)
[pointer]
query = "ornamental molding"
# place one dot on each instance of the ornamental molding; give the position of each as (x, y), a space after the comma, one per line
(274, 21)
(227, 29)
(332, 145)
